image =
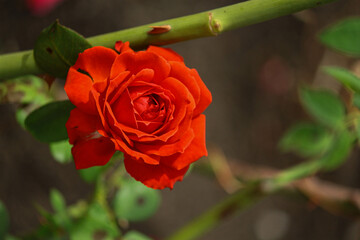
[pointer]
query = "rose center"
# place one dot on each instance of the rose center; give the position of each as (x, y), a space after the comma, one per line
(149, 107)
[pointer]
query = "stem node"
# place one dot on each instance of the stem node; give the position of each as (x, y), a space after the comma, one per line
(214, 25)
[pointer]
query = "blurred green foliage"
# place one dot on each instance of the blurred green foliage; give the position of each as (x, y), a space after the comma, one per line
(135, 202)
(343, 36)
(61, 151)
(306, 139)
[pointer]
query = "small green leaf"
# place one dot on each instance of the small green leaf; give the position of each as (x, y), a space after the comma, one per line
(345, 77)
(61, 217)
(344, 36)
(42, 211)
(47, 123)
(306, 139)
(4, 221)
(356, 100)
(90, 175)
(324, 106)
(134, 235)
(33, 90)
(339, 150)
(57, 49)
(57, 201)
(61, 151)
(95, 221)
(20, 116)
(135, 202)
(78, 209)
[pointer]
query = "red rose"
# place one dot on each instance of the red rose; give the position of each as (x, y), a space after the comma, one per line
(146, 104)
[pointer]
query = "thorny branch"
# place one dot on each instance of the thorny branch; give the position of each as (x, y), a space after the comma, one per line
(335, 198)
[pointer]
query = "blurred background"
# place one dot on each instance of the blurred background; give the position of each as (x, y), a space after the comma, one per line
(253, 74)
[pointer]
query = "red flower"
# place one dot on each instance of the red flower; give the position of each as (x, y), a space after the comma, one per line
(146, 104)
(42, 7)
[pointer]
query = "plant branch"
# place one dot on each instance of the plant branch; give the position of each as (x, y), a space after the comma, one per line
(334, 198)
(263, 181)
(205, 24)
(18, 64)
(235, 202)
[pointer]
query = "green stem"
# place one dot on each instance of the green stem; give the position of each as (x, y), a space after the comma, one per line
(297, 172)
(238, 201)
(205, 24)
(18, 64)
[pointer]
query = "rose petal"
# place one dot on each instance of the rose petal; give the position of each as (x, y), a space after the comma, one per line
(205, 95)
(183, 74)
(96, 61)
(123, 147)
(123, 110)
(119, 84)
(80, 125)
(196, 149)
(154, 176)
(116, 126)
(184, 106)
(167, 53)
(78, 87)
(100, 108)
(135, 62)
(92, 152)
(148, 127)
(121, 47)
(167, 149)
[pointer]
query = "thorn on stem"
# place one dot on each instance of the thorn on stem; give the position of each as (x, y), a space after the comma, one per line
(159, 29)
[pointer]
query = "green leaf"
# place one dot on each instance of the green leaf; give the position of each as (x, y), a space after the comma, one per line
(47, 123)
(57, 49)
(90, 175)
(20, 116)
(339, 150)
(344, 36)
(4, 221)
(356, 100)
(135, 202)
(61, 217)
(134, 235)
(324, 106)
(345, 77)
(57, 201)
(96, 220)
(61, 151)
(306, 139)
